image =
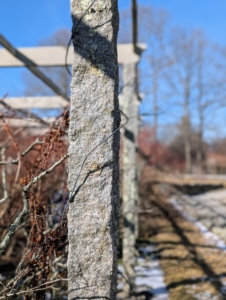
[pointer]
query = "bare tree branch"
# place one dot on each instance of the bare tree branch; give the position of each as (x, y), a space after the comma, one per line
(5, 193)
(14, 227)
(25, 210)
(15, 161)
(40, 287)
(37, 178)
(24, 112)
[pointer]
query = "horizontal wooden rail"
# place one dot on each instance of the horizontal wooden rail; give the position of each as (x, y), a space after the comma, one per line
(54, 56)
(43, 102)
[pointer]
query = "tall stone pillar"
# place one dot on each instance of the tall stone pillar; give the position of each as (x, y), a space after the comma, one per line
(129, 177)
(95, 115)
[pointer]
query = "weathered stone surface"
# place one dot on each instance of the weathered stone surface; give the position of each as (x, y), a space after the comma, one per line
(129, 183)
(93, 216)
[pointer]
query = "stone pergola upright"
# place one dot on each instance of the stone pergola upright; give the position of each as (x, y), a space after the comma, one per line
(129, 103)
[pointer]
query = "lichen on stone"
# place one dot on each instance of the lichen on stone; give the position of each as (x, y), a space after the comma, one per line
(101, 5)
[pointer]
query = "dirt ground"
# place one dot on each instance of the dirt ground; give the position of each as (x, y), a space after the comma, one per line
(194, 268)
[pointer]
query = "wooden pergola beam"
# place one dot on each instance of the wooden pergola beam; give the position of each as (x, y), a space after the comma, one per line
(134, 25)
(43, 102)
(54, 56)
(29, 123)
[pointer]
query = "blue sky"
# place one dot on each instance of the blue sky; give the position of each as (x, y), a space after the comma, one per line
(24, 23)
(206, 14)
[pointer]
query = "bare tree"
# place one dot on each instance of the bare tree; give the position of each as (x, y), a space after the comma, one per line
(181, 83)
(154, 31)
(197, 88)
(157, 59)
(94, 143)
(211, 84)
(182, 78)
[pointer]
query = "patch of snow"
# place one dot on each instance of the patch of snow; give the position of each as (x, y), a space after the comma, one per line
(149, 276)
(209, 236)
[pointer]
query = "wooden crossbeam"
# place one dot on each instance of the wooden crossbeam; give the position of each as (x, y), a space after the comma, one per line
(44, 102)
(27, 122)
(54, 56)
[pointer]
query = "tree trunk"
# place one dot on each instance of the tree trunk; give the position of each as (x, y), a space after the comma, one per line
(130, 195)
(187, 126)
(93, 215)
(200, 150)
(155, 106)
(187, 145)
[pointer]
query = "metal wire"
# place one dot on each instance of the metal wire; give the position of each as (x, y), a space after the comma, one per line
(84, 160)
(72, 34)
